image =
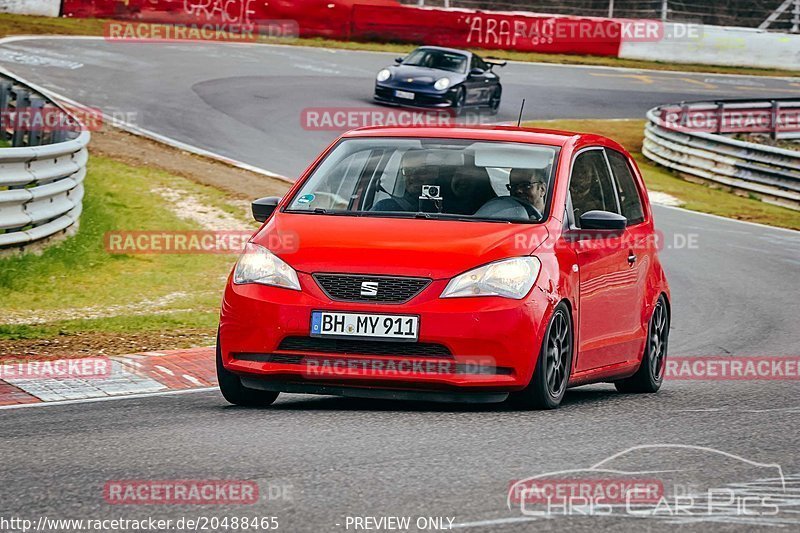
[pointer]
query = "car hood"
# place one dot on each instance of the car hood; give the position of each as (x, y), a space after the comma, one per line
(436, 249)
(422, 75)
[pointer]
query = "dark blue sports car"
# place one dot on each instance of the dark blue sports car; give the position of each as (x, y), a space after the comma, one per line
(432, 76)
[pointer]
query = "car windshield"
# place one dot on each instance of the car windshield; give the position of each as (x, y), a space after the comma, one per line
(438, 59)
(431, 178)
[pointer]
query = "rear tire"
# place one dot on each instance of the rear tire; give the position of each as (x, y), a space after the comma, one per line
(494, 101)
(650, 375)
(551, 375)
(232, 389)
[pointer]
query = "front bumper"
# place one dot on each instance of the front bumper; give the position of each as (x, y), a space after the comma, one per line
(386, 94)
(491, 344)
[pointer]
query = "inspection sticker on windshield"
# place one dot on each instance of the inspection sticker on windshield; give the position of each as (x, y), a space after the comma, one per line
(358, 325)
(306, 199)
(404, 94)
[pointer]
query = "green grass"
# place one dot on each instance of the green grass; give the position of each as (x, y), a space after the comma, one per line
(207, 320)
(80, 274)
(31, 25)
(695, 196)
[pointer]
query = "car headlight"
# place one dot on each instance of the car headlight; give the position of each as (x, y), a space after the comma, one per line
(509, 278)
(259, 265)
(384, 75)
(442, 84)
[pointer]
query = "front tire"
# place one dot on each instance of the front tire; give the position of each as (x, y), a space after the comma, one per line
(650, 375)
(234, 392)
(551, 375)
(459, 101)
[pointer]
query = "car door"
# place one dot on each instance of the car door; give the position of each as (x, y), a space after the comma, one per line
(607, 282)
(640, 243)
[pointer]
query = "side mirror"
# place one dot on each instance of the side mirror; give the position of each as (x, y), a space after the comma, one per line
(263, 207)
(477, 72)
(398, 59)
(603, 220)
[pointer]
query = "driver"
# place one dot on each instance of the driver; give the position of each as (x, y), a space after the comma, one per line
(416, 173)
(529, 186)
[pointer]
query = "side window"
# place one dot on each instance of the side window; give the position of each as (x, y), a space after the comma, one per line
(629, 199)
(590, 185)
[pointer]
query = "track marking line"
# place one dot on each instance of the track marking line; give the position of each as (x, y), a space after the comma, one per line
(165, 370)
(498, 521)
(191, 379)
(394, 54)
(108, 398)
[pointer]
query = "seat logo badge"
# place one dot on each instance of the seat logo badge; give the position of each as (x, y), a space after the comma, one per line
(369, 288)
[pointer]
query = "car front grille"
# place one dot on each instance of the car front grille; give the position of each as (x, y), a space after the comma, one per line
(365, 347)
(366, 288)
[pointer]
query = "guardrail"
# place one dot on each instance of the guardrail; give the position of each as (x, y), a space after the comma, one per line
(695, 139)
(42, 167)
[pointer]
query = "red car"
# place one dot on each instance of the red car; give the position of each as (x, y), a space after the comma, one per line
(450, 264)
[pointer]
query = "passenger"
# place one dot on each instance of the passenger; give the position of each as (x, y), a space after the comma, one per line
(471, 188)
(528, 185)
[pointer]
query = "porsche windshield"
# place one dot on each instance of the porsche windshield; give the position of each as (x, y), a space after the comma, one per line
(438, 59)
(431, 178)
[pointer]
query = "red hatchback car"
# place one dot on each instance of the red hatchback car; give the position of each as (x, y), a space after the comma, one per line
(450, 264)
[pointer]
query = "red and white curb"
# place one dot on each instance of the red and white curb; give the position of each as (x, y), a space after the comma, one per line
(134, 374)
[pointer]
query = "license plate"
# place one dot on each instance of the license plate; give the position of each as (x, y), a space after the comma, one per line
(404, 94)
(359, 325)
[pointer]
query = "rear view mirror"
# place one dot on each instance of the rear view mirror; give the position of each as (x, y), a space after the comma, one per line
(477, 72)
(263, 207)
(603, 220)
(398, 59)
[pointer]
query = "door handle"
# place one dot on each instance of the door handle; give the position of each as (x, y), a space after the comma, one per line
(631, 258)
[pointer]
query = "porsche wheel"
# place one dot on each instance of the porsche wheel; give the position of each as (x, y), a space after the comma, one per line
(650, 375)
(459, 100)
(551, 376)
(494, 101)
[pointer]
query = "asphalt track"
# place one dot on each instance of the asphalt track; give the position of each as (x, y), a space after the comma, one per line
(734, 292)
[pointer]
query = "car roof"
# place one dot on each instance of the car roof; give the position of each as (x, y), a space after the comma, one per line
(444, 49)
(485, 133)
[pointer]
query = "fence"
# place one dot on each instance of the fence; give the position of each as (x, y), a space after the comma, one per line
(42, 167)
(697, 139)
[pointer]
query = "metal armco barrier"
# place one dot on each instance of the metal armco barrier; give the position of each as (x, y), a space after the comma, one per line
(694, 139)
(41, 170)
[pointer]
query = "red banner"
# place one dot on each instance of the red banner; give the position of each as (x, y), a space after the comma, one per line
(379, 20)
(486, 29)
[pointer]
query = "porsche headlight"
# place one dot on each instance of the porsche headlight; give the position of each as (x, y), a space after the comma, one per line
(442, 84)
(259, 265)
(509, 278)
(384, 75)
